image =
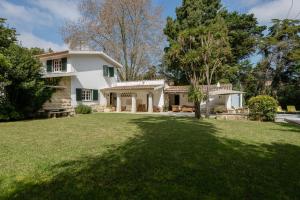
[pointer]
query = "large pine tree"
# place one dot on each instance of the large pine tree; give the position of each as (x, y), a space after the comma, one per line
(243, 33)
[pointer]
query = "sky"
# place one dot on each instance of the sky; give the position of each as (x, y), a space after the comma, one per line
(38, 21)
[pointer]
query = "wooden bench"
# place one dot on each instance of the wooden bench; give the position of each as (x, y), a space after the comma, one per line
(185, 108)
(56, 113)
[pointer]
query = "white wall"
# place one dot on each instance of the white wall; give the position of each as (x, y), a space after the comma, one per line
(89, 75)
(158, 98)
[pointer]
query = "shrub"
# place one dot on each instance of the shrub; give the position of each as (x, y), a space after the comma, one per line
(83, 109)
(262, 108)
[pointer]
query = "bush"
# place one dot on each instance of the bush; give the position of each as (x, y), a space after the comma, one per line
(83, 109)
(262, 108)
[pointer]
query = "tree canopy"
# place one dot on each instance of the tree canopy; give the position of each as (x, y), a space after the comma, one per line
(22, 89)
(128, 30)
(243, 32)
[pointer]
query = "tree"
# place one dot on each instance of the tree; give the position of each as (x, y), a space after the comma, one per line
(26, 91)
(185, 53)
(200, 52)
(128, 30)
(22, 89)
(280, 62)
(7, 35)
(198, 44)
(215, 51)
(243, 31)
(244, 34)
(191, 14)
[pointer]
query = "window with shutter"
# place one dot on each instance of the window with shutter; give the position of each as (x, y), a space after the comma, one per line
(105, 70)
(111, 72)
(87, 95)
(64, 62)
(57, 65)
(78, 94)
(95, 95)
(49, 65)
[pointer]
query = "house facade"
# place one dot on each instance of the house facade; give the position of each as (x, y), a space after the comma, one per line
(91, 78)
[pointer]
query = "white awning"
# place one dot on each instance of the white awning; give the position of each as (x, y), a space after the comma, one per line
(226, 92)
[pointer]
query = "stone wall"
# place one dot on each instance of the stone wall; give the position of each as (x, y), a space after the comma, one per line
(232, 116)
(61, 98)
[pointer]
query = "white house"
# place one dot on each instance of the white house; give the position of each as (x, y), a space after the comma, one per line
(91, 78)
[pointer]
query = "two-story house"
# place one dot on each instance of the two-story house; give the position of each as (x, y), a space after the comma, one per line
(77, 77)
(91, 78)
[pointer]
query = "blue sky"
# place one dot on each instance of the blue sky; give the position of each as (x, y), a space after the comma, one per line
(38, 21)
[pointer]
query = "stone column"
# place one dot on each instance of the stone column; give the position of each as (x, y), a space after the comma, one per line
(241, 100)
(133, 103)
(150, 103)
(119, 102)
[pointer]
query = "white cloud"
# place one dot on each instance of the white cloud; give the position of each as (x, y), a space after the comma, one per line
(64, 9)
(32, 16)
(29, 40)
(276, 9)
(24, 16)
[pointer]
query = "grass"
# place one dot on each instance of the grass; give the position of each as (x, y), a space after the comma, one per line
(123, 156)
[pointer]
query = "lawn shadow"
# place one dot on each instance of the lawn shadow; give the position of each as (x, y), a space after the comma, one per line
(175, 158)
(288, 127)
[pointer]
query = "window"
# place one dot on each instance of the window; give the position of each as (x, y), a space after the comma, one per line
(108, 71)
(87, 95)
(57, 65)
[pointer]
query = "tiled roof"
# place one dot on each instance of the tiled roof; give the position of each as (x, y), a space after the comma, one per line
(185, 89)
(134, 87)
(54, 55)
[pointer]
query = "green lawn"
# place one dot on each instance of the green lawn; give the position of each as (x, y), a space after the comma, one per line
(123, 156)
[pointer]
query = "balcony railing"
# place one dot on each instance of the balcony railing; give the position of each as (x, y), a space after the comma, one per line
(139, 83)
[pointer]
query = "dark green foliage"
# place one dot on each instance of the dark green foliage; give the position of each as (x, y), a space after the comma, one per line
(243, 33)
(263, 108)
(7, 35)
(83, 109)
(36, 51)
(22, 89)
(193, 14)
(280, 63)
(289, 94)
(26, 91)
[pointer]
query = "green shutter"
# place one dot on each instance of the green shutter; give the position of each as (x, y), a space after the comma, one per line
(95, 95)
(105, 70)
(64, 62)
(49, 65)
(78, 94)
(111, 72)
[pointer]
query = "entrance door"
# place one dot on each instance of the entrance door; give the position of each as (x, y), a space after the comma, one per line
(113, 99)
(177, 100)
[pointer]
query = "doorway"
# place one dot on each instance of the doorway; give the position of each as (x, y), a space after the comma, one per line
(112, 99)
(177, 99)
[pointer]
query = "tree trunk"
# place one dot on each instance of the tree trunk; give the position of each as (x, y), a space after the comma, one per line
(207, 102)
(197, 110)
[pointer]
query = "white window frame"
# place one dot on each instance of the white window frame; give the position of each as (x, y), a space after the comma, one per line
(57, 65)
(87, 95)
